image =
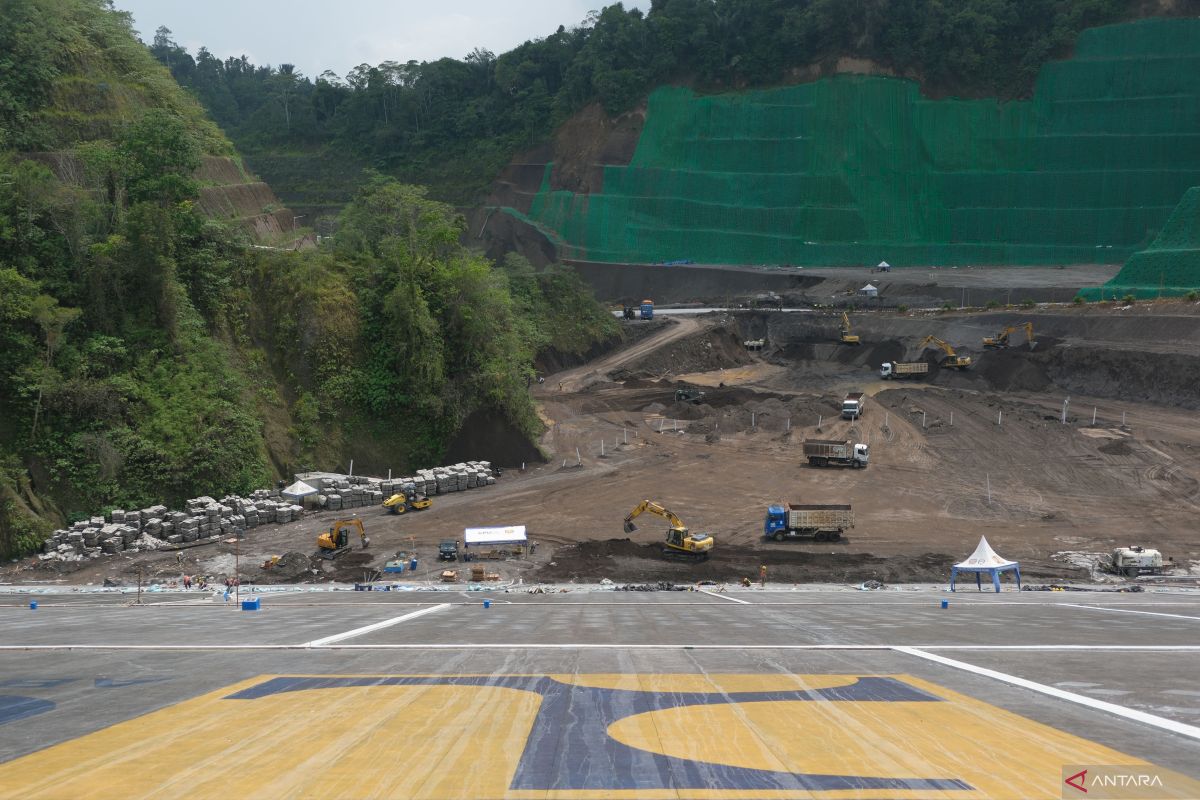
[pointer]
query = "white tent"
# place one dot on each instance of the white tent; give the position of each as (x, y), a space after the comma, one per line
(985, 559)
(298, 489)
(884, 266)
(870, 290)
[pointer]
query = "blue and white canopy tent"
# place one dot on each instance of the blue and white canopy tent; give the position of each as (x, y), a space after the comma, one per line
(985, 559)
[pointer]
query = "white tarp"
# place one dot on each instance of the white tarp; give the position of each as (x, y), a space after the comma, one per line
(512, 534)
(298, 489)
(984, 557)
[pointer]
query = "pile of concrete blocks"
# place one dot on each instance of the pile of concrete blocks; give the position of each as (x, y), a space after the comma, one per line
(208, 518)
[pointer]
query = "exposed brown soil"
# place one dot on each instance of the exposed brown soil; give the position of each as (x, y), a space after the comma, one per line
(622, 560)
(953, 457)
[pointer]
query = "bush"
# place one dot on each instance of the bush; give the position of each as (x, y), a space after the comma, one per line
(1128, 299)
(992, 304)
(903, 309)
(947, 307)
(1027, 303)
(1079, 300)
(1191, 295)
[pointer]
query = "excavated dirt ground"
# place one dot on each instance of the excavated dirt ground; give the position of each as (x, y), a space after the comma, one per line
(954, 457)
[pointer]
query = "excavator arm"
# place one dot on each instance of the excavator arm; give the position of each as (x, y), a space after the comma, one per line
(657, 510)
(679, 543)
(1000, 340)
(847, 336)
(951, 359)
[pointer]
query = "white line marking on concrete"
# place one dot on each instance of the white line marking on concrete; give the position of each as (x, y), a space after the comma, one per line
(1181, 728)
(387, 623)
(1130, 611)
(724, 597)
(1150, 648)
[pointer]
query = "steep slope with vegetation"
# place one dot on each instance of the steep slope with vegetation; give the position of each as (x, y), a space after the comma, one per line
(453, 124)
(148, 353)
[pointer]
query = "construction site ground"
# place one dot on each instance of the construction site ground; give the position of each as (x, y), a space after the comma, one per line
(753, 692)
(553, 683)
(953, 457)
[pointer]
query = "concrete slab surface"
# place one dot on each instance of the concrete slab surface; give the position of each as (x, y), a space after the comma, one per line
(599, 695)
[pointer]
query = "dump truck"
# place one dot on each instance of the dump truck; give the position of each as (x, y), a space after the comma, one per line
(647, 309)
(828, 452)
(1136, 560)
(824, 523)
(904, 369)
(689, 396)
(852, 405)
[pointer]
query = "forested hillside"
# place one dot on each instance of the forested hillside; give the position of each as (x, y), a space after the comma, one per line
(452, 124)
(148, 353)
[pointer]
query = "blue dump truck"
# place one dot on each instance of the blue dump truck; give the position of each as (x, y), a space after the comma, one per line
(647, 309)
(824, 523)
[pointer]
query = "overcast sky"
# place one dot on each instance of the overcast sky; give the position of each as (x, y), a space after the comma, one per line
(316, 35)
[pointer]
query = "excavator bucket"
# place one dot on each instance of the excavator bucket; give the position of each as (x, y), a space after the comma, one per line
(629, 526)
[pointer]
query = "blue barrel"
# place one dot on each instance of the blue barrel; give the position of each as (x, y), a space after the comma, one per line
(412, 565)
(251, 605)
(487, 603)
(33, 605)
(945, 604)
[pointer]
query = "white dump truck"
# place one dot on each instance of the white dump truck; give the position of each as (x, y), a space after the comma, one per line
(1135, 560)
(904, 369)
(828, 452)
(822, 522)
(852, 405)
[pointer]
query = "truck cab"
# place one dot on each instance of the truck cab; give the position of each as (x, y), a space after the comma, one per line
(647, 309)
(852, 405)
(776, 520)
(885, 370)
(862, 453)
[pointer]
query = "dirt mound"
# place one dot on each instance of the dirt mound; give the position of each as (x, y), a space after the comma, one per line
(872, 354)
(352, 567)
(628, 561)
(716, 348)
(1012, 371)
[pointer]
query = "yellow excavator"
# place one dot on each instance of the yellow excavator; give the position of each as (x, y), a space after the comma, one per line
(404, 501)
(1000, 340)
(335, 541)
(680, 543)
(847, 336)
(951, 359)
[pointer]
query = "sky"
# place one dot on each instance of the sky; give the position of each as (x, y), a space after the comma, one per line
(317, 35)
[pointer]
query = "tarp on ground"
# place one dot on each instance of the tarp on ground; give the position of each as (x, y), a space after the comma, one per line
(985, 560)
(511, 534)
(298, 489)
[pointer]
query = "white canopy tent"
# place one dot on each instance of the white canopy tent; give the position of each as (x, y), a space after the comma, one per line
(985, 559)
(870, 290)
(298, 489)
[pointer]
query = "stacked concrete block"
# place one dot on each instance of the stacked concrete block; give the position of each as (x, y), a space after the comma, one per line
(333, 502)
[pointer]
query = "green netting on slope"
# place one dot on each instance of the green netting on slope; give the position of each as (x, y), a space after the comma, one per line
(855, 169)
(1170, 266)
